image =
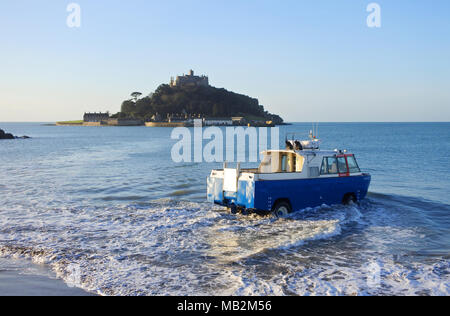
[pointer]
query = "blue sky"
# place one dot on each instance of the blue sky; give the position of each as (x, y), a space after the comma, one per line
(306, 60)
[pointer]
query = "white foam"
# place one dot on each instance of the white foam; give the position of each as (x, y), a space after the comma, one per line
(186, 248)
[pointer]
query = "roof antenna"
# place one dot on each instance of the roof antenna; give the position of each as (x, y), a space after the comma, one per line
(313, 133)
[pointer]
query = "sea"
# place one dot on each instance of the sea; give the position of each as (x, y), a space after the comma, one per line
(107, 210)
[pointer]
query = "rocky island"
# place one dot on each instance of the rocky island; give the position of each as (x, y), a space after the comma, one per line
(190, 97)
(179, 103)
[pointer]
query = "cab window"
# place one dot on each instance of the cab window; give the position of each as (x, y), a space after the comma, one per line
(342, 165)
(353, 165)
(284, 163)
(329, 166)
(281, 162)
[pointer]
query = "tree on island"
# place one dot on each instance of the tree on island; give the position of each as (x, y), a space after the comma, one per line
(136, 95)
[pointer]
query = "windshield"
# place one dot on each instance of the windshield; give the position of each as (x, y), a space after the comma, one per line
(353, 165)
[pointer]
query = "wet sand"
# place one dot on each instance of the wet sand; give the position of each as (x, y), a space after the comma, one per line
(22, 278)
(15, 284)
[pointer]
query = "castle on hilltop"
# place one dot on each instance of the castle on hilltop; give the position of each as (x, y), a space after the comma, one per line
(189, 80)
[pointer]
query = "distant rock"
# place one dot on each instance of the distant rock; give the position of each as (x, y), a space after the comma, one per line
(4, 135)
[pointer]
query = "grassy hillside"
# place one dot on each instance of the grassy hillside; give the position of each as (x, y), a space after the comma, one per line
(70, 123)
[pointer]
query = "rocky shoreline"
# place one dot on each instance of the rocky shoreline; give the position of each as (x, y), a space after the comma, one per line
(4, 135)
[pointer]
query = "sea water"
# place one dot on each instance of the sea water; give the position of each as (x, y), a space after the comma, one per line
(108, 211)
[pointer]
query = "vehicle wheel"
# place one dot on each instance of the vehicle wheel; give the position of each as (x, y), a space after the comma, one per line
(349, 199)
(233, 209)
(282, 209)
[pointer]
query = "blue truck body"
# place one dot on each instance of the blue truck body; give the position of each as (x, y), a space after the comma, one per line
(300, 193)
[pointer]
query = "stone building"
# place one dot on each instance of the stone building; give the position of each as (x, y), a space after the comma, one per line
(217, 121)
(189, 80)
(96, 117)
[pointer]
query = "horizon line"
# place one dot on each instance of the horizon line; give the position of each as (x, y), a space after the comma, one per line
(300, 122)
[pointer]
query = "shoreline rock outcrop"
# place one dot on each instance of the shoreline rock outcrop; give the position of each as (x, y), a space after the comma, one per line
(4, 135)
